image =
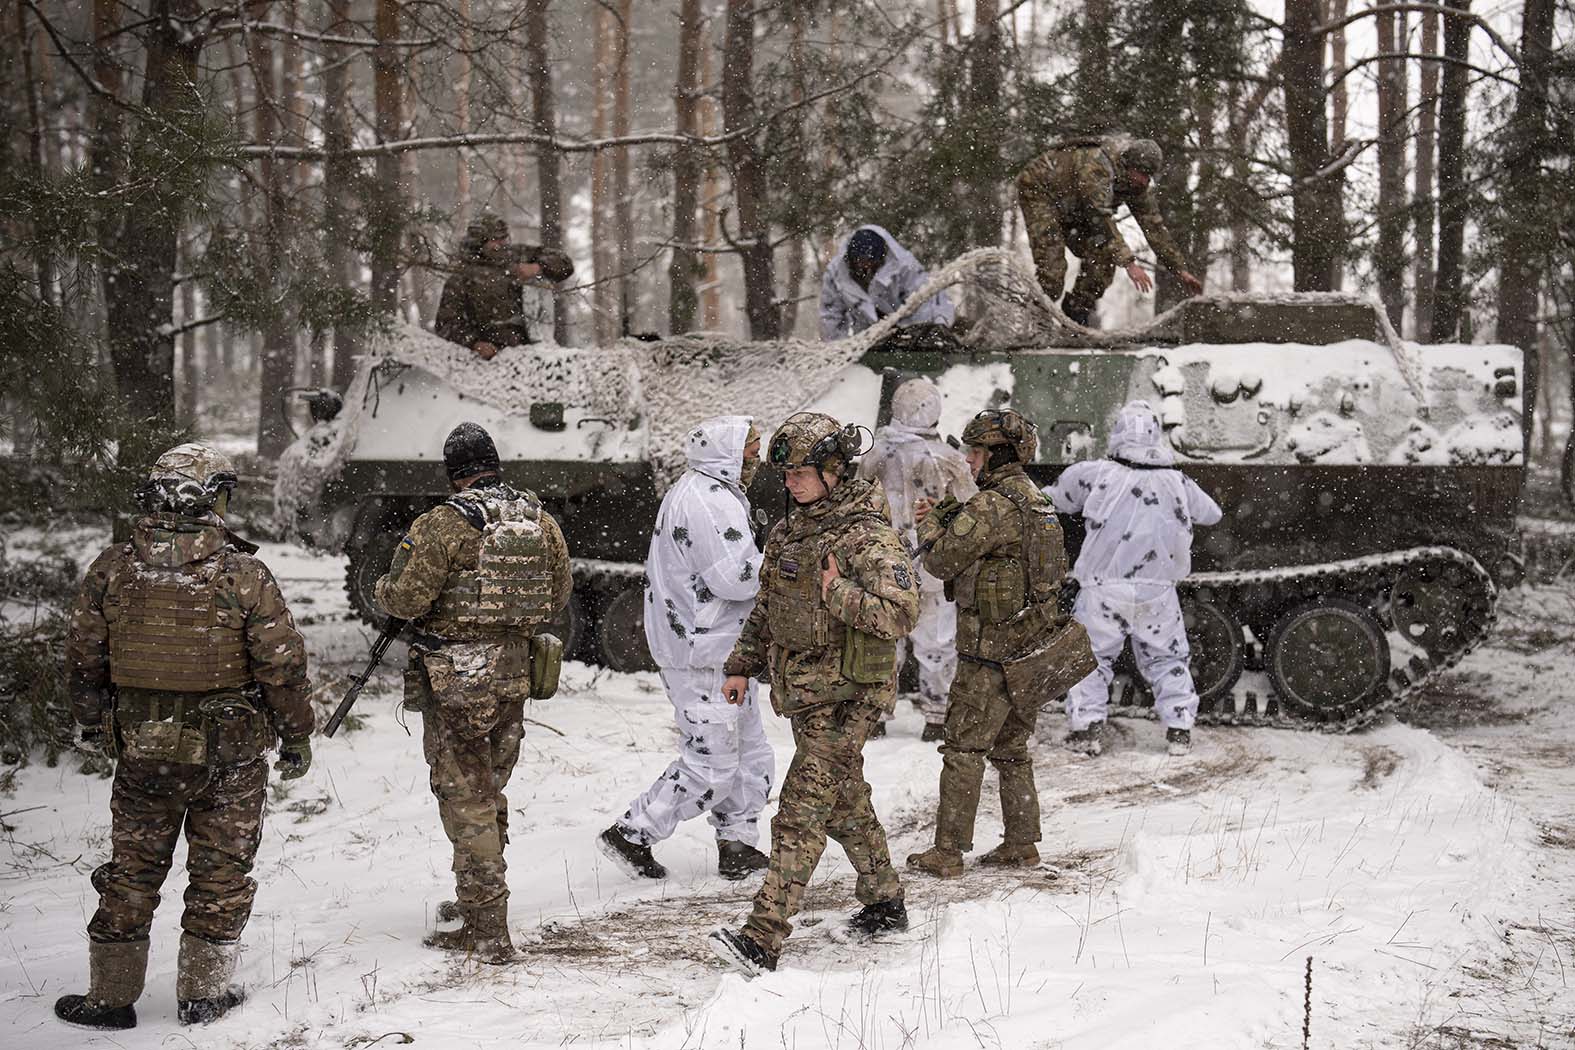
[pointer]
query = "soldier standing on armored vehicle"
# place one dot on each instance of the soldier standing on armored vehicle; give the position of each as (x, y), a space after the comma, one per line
(836, 592)
(483, 305)
(1139, 512)
(479, 571)
(183, 662)
(1069, 195)
(914, 465)
(702, 574)
(1002, 557)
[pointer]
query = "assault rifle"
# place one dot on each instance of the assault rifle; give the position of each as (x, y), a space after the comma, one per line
(379, 649)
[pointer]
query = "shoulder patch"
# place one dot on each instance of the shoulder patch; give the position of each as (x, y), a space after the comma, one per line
(407, 543)
(964, 523)
(900, 574)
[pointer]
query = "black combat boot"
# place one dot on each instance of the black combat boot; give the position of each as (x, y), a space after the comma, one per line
(116, 971)
(204, 1011)
(740, 952)
(872, 920)
(203, 972)
(633, 859)
(933, 731)
(87, 1013)
(738, 860)
(1178, 742)
(1087, 741)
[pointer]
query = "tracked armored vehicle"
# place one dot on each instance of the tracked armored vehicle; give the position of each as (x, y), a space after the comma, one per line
(1370, 485)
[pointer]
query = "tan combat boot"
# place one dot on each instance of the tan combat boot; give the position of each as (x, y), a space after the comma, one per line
(937, 861)
(484, 934)
(1010, 855)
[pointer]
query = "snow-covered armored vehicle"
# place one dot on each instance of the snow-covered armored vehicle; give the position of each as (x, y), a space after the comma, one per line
(1370, 485)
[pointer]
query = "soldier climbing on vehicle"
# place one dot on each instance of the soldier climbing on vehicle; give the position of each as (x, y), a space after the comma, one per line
(1069, 195)
(184, 664)
(483, 305)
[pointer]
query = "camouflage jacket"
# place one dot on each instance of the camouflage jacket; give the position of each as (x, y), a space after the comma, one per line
(484, 302)
(976, 548)
(444, 540)
(877, 593)
(244, 588)
(1083, 182)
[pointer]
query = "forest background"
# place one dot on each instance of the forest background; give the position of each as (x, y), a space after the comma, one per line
(203, 206)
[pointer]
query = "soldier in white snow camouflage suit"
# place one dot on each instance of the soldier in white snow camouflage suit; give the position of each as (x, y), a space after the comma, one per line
(1139, 512)
(702, 574)
(916, 467)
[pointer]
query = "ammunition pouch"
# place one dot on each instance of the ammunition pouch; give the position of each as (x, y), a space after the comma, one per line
(220, 729)
(998, 590)
(866, 659)
(546, 661)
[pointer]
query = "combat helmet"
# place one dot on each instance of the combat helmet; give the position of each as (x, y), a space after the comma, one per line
(814, 439)
(487, 226)
(1143, 155)
(1005, 433)
(190, 478)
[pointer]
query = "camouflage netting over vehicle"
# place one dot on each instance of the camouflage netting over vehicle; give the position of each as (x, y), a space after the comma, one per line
(1366, 480)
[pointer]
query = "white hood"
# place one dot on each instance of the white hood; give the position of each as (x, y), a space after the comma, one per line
(845, 307)
(715, 447)
(1138, 437)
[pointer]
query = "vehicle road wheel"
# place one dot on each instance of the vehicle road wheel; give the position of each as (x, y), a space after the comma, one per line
(621, 633)
(1433, 607)
(1329, 658)
(367, 563)
(1215, 638)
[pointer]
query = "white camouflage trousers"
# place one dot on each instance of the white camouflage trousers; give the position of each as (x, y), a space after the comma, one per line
(725, 765)
(934, 642)
(1149, 614)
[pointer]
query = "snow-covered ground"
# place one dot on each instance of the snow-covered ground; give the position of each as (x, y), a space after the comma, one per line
(1427, 872)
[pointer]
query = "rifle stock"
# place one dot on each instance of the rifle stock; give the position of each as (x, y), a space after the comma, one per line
(379, 650)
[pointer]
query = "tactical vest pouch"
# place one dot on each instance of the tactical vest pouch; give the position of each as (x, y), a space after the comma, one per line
(1055, 665)
(511, 585)
(796, 614)
(866, 659)
(168, 742)
(546, 661)
(462, 687)
(418, 688)
(998, 590)
(234, 728)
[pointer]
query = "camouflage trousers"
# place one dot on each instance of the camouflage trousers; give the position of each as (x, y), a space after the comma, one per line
(1049, 240)
(982, 723)
(222, 816)
(824, 793)
(468, 775)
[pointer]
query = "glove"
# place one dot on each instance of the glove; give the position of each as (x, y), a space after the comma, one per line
(295, 758)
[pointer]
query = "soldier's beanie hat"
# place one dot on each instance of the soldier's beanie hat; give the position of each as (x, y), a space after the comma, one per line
(1144, 155)
(866, 244)
(488, 225)
(469, 451)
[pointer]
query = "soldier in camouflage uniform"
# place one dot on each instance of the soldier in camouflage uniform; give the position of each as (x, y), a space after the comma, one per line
(1003, 560)
(480, 572)
(182, 660)
(483, 305)
(1069, 196)
(836, 593)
